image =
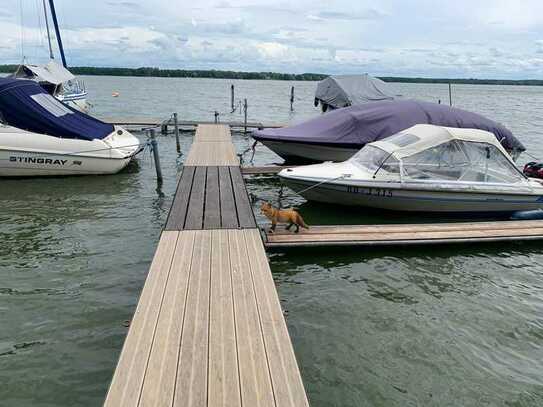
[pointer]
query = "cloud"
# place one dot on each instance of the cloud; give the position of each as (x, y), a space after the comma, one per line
(370, 14)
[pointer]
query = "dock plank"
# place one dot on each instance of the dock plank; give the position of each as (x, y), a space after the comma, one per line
(195, 210)
(287, 382)
(212, 212)
(223, 388)
(243, 206)
(178, 210)
(159, 386)
(229, 217)
(408, 234)
(192, 369)
(256, 388)
(130, 372)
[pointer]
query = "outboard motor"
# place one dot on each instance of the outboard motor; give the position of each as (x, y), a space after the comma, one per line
(533, 170)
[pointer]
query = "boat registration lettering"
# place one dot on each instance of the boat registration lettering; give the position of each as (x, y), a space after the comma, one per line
(369, 191)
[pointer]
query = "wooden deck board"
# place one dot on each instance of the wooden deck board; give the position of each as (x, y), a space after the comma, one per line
(130, 372)
(243, 206)
(223, 387)
(229, 217)
(287, 383)
(256, 389)
(195, 211)
(178, 211)
(191, 386)
(212, 211)
(406, 234)
(159, 386)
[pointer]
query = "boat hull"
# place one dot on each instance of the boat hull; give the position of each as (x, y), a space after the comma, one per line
(415, 200)
(26, 154)
(293, 152)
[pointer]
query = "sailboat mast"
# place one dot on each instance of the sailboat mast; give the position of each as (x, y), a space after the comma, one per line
(57, 31)
(48, 33)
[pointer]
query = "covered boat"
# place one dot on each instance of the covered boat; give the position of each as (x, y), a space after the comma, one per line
(39, 135)
(338, 135)
(339, 91)
(57, 81)
(425, 168)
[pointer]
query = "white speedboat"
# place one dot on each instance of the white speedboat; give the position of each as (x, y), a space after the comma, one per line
(425, 168)
(40, 136)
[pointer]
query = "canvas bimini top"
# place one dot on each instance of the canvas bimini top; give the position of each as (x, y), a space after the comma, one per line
(435, 153)
(347, 90)
(355, 126)
(26, 105)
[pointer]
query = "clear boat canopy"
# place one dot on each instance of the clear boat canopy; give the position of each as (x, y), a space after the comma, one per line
(427, 152)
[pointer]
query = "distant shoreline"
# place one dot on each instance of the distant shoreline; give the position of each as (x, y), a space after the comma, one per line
(218, 74)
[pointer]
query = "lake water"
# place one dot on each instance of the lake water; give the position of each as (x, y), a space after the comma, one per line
(448, 326)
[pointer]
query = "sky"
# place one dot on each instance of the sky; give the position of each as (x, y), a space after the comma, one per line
(455, 39)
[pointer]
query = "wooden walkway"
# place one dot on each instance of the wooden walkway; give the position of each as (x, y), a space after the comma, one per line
(155, 121)
(208, 329)
(389, 235)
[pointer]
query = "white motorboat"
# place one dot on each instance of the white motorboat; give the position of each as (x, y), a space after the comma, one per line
(424, 168)
(40, 136)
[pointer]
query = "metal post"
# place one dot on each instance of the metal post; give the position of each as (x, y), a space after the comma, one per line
(57, 32)
(232, 97)
(176, 129)
(291, 98)
(245, 114)
(450, 94)
(154, 147)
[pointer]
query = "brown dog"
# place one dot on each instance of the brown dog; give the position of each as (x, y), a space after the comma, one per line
(289, 216)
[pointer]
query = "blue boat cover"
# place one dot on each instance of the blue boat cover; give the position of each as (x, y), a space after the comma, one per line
(355, 126)
(26, 105)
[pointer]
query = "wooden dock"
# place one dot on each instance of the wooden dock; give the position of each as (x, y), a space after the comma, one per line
(157, 122)
(208, 329)
(408, 234)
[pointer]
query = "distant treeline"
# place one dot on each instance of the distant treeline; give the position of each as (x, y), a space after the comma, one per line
(191, 73)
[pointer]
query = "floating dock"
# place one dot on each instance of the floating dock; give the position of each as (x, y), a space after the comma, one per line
(408, 234)
(208, 329)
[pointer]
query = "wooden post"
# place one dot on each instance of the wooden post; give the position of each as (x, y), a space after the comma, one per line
(450, 94)
(164, 128)
(154, 146)
(176, 128)
(291, 98)
(245, 114)
(232, 98)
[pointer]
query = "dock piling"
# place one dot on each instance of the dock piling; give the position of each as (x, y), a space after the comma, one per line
(154, 147)
(232, 98)
(291, 98)
(245, 115)
(450, 94)
(176, 129)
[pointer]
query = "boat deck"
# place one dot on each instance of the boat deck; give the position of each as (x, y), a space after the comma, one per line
(208, 329)
(408, 234)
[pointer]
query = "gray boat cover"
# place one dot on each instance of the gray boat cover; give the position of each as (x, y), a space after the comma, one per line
(349, 90)
(355, 126)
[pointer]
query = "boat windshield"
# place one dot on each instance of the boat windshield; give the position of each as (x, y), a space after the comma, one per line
(373, 158)
(459, 160)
